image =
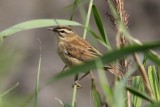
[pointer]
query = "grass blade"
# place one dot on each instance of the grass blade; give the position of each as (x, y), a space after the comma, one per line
(137, 84)
(119, 89)
(157, 104)
(104, 83)
(74, 95)
(38, 76)
(6, 92)
(100, 26)
(153, 57)
(97, 37)
(153, 78)
(119, 94)
(38, 23)
(73, 7)
(87, 18)
(96, 96)
(140, 94)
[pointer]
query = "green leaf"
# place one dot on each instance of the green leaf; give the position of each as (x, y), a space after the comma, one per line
(74, 4)
(153, 57)
(137, 84)
(157, 104)
(145, 59)
(119, 94)
(38, 23)
(96, 96)
(38, 78)
(107, 58)
(97, 37)
(104, 84)
(67, 105)
(140, 94)
(100, 25)
(119, 89)
(153, 78)
(158, 73)
(73, 7)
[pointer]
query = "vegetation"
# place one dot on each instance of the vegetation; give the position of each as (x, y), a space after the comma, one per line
(128, 91)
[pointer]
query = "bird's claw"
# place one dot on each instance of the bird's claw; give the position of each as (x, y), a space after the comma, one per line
(77, 84)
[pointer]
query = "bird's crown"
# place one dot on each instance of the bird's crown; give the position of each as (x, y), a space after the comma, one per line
(59, 28)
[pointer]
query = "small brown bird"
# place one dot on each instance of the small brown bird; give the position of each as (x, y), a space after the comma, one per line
(73, 49)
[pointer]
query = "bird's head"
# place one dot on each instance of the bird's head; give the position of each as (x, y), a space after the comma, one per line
(62, 31)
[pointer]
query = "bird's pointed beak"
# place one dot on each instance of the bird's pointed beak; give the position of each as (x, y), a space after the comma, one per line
(52, 29)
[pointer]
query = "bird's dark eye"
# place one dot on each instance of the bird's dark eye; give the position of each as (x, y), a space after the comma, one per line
(62, 31)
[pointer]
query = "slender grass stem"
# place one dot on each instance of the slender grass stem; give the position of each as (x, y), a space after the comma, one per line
(88, 18)
(128, 98)
(144, 75)
(6, 92)
(38, 77)
(84, 36)
(74, 95)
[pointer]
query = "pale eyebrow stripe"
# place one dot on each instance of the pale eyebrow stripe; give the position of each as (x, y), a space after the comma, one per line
(65, 30)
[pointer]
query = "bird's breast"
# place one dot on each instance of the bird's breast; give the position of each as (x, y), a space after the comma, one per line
(65, 56)
(61, 50)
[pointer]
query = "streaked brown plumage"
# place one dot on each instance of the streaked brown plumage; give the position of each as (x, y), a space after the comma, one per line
(73, 49)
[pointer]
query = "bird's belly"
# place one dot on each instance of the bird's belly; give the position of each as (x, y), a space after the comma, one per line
(68, 60)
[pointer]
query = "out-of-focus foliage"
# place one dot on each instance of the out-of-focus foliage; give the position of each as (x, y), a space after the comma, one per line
(9, 58)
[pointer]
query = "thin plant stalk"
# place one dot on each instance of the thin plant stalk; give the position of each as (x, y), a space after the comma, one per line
(38, 77)
(104, 82)
(128, 97)
(84, 36)
(144, 75)
(6, 92)
(88, 18)
(74, 95)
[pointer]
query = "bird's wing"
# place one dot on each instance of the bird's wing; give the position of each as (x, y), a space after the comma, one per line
(111, 68)
(80, 49)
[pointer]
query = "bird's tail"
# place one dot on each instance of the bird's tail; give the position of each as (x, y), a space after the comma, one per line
(113, 70)
(119, 71)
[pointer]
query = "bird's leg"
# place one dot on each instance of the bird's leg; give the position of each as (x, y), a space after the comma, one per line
(64, 68)
(76, 80)
(91, 75)
(76, 77)
(83, 76)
